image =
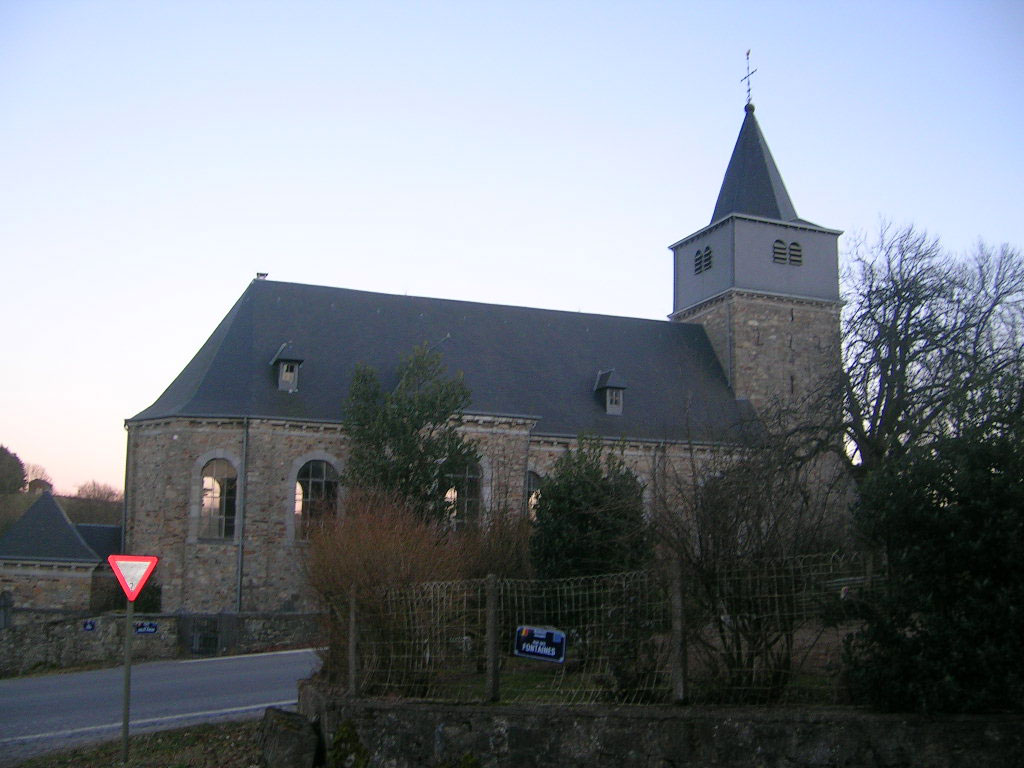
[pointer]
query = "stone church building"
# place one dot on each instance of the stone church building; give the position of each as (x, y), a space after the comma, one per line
(230, 464)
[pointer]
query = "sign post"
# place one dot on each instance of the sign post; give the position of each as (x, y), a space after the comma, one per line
(132, 572)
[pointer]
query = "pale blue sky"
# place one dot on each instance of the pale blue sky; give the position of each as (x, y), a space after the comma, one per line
(155, 156)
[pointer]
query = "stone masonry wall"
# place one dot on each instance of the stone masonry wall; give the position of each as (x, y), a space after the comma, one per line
(201, 575)
(404, 735)
(164, 497)
(197, 575)
(47, 640)
(773, 349)
(67, 641)
(35, 585)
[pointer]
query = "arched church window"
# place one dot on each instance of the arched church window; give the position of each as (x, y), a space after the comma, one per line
(796, 254)
(779, 254)
(463, 495)
(317, 493)
(707, 258)
(220, 491)
(533, 481)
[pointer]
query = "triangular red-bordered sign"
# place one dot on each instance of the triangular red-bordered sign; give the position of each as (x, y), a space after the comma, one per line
(132, 571)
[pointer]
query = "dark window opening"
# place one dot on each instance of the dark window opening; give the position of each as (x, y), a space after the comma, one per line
(533, 481)
(316, 496)
(463, 496)
(220, 490)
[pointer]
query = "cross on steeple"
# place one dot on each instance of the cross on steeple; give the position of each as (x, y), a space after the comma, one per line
(747, 78)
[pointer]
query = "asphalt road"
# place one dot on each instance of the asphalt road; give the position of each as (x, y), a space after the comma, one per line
(45, 713)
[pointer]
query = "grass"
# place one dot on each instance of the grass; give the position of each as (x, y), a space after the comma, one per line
(225, 745)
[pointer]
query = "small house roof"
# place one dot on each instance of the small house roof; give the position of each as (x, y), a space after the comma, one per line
(104, 540)
(45, 533)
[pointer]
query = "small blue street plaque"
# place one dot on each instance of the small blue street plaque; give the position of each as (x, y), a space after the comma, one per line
(145, 628)
(542, 643)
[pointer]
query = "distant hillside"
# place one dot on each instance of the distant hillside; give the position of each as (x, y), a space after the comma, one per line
(13, 506)
(91, 510)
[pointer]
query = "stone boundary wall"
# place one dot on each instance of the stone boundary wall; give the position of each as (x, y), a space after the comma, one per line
(50, 642)
(404, 735)
(47, 640)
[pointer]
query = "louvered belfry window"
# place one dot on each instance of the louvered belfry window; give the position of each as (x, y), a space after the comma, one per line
(702, 260)
(783, 254)
(796, 254)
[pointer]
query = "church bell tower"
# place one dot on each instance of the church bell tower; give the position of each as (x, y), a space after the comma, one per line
(763, 282)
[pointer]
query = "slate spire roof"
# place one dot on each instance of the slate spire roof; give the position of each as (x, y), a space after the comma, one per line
(752, 183)
(46, 533)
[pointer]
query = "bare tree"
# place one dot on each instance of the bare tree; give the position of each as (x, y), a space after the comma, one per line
(739, 520)
(931, 344)
(95, 491)
(37, 472)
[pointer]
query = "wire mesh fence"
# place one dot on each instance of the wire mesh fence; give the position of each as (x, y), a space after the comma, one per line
(752, 633)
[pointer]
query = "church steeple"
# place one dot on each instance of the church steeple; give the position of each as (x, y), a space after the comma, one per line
(753, 185)
(763, 282)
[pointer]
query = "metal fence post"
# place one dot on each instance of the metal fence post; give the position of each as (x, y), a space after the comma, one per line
(679, 658)
(353, 654)
(493, 692)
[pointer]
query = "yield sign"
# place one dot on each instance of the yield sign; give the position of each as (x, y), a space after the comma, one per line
(132, 572)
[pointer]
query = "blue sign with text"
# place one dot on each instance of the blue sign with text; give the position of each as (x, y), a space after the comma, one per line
(541, 643)
(145, 627)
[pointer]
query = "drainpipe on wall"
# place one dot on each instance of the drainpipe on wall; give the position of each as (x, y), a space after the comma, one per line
(127, 486)
(240, 516)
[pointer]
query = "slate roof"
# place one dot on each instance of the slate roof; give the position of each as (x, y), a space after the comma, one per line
(516, 361)
(45, 533)
(104, 540)
(752, 183)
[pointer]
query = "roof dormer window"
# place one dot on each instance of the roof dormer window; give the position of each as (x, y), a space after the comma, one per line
(613, 401)
(288, 376)
(288, 364)
(610, 386)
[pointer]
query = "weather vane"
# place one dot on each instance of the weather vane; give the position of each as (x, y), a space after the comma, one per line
(747, 78)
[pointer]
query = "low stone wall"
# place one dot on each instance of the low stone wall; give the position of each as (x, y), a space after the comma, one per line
(40, 640)
(404, 735)
(271, 631)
